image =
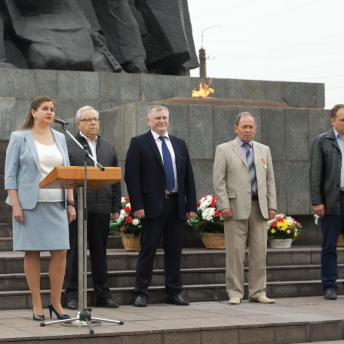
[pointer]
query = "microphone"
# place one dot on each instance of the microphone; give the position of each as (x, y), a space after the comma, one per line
(60, 121)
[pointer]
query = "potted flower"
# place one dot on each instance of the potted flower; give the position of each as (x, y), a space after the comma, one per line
(207, 223)
(282, 231)
(128, 227)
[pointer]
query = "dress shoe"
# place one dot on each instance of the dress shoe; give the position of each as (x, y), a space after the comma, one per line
(140, 301)
(262, 299)
(106, 302)
(234, 301)
(177, 300)
(330, 294)
(37, 317)
(72, 304)
(58, 315)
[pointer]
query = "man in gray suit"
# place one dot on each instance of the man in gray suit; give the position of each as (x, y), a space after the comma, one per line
(245, 190)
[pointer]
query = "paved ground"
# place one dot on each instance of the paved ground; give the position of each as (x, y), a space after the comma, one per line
(158, 318)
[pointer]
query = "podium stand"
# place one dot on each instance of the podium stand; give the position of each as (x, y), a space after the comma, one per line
(73, 177)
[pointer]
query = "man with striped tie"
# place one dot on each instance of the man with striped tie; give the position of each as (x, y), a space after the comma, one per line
(245, 190)
(162, 192)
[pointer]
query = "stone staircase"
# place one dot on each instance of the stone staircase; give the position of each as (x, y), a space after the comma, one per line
(290, 273)
(5, 210)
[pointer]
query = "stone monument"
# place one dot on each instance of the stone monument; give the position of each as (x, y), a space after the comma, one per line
(97, 35)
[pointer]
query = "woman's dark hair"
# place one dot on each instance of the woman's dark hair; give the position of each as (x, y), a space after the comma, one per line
(36, 103)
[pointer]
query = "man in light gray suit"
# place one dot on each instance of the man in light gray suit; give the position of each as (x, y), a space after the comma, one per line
(245, 190)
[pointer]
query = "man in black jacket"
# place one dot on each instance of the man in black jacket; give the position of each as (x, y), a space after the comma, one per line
(327, 191)
(161, 187)
(100, 204)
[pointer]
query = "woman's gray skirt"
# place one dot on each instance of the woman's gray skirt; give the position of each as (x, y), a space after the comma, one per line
(45, 228)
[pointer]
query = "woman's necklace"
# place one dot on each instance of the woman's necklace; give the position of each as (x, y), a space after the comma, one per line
(45, 138)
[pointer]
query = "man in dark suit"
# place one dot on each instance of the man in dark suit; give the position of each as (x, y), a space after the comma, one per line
(162, 192)
(326, 177)
(100, 204)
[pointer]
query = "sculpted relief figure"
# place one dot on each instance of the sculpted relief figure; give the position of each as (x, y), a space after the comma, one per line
(54, 35)
(97, 35)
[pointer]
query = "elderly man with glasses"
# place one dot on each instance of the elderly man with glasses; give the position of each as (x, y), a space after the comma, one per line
(100, 203)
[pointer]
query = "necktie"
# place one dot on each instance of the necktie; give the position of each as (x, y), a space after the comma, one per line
(251, 168)
(168, 166)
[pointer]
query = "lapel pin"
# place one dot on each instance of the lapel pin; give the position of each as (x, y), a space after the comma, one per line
(265, 167)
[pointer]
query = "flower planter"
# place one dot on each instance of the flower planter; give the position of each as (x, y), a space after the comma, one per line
(214, 240)
(131, 243)
(280, 243)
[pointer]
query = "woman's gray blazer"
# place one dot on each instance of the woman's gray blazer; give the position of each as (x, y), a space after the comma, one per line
(22, 169)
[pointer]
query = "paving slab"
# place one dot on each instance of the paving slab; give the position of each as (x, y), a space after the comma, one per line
(197, 321)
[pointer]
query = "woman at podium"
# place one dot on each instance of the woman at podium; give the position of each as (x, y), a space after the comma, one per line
(40, 216)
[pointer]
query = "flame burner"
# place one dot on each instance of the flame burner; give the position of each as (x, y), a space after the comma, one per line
(200, 97)
(224, 102)
(203, 91)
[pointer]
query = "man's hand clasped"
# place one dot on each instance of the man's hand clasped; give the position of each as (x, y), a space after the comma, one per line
(319, 209)
(140, 214)
(226, 213)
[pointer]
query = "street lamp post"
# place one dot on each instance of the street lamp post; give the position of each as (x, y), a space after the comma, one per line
(202, 56)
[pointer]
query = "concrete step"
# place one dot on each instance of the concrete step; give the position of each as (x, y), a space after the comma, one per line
(21, 299)
(6, 244)
(192, 258)
(203, 273)
(190, 276)
(6, 230)
(5, 212)
(6, 240)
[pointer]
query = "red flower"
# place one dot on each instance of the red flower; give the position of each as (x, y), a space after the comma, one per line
(128, 219)
(126, 198)
(274, 224)
(295, 223)
(213, 202)
(122, 230)
(217, 214)
(280, 219)
(127, 209)
(198, 204)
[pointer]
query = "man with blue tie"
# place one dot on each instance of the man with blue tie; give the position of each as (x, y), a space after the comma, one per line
(162, 193)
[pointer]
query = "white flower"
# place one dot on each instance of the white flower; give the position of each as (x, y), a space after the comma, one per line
(122, 215)
(136, 222)
(208, 214)
(205, 203)
(317, 219)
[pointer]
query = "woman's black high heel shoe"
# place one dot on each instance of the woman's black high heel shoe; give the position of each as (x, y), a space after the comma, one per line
(37, 317)
(58, 315)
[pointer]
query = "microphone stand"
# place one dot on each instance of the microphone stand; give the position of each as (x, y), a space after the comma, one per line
(83, 317)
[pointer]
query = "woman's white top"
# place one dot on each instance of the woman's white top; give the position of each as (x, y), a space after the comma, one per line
(49, 157)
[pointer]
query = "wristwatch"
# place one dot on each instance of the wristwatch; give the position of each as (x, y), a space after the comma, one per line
(71, 203)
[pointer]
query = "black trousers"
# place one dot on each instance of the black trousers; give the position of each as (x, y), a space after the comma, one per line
(97, 235)
(170, 227)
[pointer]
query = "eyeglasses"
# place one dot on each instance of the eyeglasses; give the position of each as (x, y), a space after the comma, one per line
(90, 119)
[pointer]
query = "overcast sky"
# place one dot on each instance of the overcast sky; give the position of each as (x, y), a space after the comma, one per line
(284, 40)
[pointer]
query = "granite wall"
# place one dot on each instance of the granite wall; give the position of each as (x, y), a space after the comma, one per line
(103, 91)
(123, 100)
(288, 132)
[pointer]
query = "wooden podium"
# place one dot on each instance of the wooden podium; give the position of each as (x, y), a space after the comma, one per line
(72, 177)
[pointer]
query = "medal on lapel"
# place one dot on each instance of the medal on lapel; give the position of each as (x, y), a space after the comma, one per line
(265, 167)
